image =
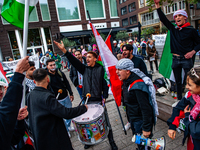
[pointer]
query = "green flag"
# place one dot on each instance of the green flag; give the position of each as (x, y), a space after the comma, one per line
(13, 11)
(165, 67)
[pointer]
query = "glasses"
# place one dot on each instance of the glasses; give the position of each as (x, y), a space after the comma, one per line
(193, 72)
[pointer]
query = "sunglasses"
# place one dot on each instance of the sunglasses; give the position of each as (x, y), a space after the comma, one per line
(193, 72)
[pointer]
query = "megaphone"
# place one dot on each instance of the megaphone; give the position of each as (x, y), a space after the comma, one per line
(157, 144)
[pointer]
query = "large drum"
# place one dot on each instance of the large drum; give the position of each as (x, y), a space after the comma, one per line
(91, 126)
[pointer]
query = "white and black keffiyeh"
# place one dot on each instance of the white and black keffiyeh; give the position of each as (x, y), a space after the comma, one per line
(30, 83)
(127, 64)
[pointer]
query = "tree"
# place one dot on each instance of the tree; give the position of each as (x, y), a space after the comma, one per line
(68, 43)
(164, 29)
(147, 31)
(135, 33)
(93, 40)
(187, 2)
(122, 35)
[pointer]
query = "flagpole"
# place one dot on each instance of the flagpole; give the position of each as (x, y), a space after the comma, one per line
(115, 101)
(109, 34)
(25, 39)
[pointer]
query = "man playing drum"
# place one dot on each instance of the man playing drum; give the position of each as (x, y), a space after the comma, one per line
(93, 83)
(140, 98)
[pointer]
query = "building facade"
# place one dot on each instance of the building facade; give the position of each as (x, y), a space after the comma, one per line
(55, 19)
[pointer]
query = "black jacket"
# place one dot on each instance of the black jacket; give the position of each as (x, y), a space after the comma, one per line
(93, 79)
(46, 120)
(137, 103)
(74, 74)
(59, 82)
(116, 50)
(181, 41)
(139, 63)
(9, 109)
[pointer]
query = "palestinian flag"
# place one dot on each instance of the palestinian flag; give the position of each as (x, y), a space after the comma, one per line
(3, 76)
(13, 11)
(109, 61)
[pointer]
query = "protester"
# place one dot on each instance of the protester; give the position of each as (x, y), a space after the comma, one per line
(121, 46)
(10, 105)
(152, 55)
(116, 49)
(119, 56)
(44, 59)
(89, 47)
(143, 47)
(184, 43)
(93, 83)
(73, 51)
(68, 63)
(137, 98)
(57, 59)
(188, 108)
(30, 85)
(50, 53)
(138, 62)
(119, 43)
(75, 76)
(59, 81)
(84, 53)
(46, 113)
(94, 48)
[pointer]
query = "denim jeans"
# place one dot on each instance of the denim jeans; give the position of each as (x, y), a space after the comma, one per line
(79, 91)
(156, 64)
(68, 104)
(177, 66)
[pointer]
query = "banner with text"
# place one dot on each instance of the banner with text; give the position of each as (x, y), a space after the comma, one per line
(159, 39)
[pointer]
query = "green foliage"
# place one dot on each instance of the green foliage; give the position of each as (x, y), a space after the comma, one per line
(164, 29)
(135, 33)
(68, 43)
(147, 31)
(151, 2)
(122, 35)
(93, 40)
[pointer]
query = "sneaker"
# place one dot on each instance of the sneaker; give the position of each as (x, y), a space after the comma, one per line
(127, 126)
(71, 128)
(87, 146)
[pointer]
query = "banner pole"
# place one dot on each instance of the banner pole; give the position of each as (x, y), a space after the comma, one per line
(108, 34)
(25, 39)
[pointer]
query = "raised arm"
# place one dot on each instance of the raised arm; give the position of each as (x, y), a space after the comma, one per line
(73, 60)
(162, 16)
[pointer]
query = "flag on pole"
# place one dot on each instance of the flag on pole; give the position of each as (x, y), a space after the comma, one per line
(165, 67)
(109, 61)
(3, 76)
(13, 11)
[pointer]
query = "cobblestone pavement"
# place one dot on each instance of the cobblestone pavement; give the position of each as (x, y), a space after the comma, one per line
(123, 141)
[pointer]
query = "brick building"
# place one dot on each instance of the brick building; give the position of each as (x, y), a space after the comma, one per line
(55, 19)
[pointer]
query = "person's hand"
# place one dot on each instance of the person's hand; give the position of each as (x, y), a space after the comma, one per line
(157, 3)
(23, 113)
(71, 98)
(172, 134)
(190, 54)
(146, 134)
(86, 107)
(61, 46)
(187, 109)
(22, 65)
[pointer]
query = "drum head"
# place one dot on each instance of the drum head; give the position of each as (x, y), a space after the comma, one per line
(94, 111)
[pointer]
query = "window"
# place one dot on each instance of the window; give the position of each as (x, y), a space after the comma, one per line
(67, 10)
(131, 7)
(180, 5)
(95, 8)
(133, 19)
(141, 2)
(183, 4)
(125, 22)
(169, 9)
(14, 45)
(44, 10)
(198, 5)
(124, 0)
(113, 8)
(150, 18)
(33, 17)
(120, 1)
(123, 11)
(174, 7)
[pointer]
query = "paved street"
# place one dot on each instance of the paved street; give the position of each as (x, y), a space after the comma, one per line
(124, 141)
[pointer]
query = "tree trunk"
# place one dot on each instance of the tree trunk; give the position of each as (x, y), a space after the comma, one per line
(187, 7)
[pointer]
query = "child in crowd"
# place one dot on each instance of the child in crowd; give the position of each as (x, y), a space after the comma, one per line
(189, 109)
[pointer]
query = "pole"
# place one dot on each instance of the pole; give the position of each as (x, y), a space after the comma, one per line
(109, 34)
(25, 39)
(88, 15)
(121, 118)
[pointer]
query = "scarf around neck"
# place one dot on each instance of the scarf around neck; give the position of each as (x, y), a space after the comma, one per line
(183, 26)
(196, 109)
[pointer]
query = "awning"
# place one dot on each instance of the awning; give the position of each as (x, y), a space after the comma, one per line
(89, 32)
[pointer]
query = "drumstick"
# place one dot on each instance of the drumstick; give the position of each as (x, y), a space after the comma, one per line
(59, 92)
(88, 95)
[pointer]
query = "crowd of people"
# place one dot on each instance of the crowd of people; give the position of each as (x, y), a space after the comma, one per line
(46, 118)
